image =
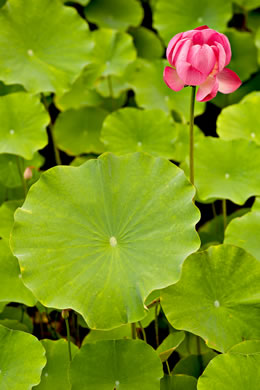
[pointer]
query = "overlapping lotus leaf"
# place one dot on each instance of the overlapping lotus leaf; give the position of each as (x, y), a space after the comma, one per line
(147, 43)
(247, 347)
(116, 214)
(116, 14)
(113, 51)
(243, 232)
(169, 344)
(118, 364)
(232, 371)
(217, 297)
(12, 288)
(17, 313)
(226, 169)
(248, 4)
(131, 130)
(23, 124)
(241, 120)
(22, 359)
(152, 92)
(48, 51)
(55, 374)
(190, 15)
(78, 131)
(193, 365)
(7, 89)
(244, 53)
(7, 210)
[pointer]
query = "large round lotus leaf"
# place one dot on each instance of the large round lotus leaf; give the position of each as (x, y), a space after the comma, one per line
(119, 218)
(231, 372)
(55, 375)
(172, 17)
(116, 364)
(241, 120)
(78, 131)
(244, 232)
(23, 124)
(21, 360)
(130, 130)
(178, 382)
(12, 288)
(152, 92)
(244, 53)
(248, 4)
(247, 347)
(10, 174)
(217, 297)
(7, 210)
(117, 14)
(147, 43)
(113, 51)
(45, 52)
(226, 169)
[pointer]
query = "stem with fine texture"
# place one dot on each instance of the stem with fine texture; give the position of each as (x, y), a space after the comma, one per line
(192, 104)
(143, 331)
(68, 337)
(224, 209)
(21, 172)
(156, 325)
(133, 329)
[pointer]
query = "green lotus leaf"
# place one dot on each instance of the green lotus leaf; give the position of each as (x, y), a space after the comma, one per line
(78, 131)
(147, 43)
(152, 92)
(23, 124)
(247, 347)
(55, 373)
(242, 232)
(244, 53)
(116, 214)
(194, 14)
(7, 210)
(14, 325)
(231, 372)
(213, 230)
(178, 382)
(10, 193)
(122, 332)
(113, 51)
(169, 344)
(47, 52)
(192, 345)
(193, 365)
(19, 314)
(241, 120)
(82, 159)
(131, 130)
(21, 360)
(257, 42)
(10, 172)
(12, 288)
(2, 306)
(226, 169)
(248, 4)
(116, 14)
(118, 364)
(7, 89)
(217, 297)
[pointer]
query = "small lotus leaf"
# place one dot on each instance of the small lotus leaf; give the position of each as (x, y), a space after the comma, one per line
(152, 92)
(48, 51)
(244, 232)
(172, 17)
(231, 371)
(192, 345)
(55, 375)
(147, 43)
(21, 360)
(23, 124)
(113, 51)
(12, 288)
(118, 364)
(226, 169)
(116, 14)
(193, 365)
(217, 297)
(131, 130)
(19, 314)
(244, 53)
(178, 382)
(241, 120)
(169, 344)
(78, 131)
(116, 214)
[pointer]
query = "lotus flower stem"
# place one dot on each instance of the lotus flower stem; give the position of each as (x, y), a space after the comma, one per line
(192, 104)
(133, 329)
(65, 315)
(224, 210)
(156, 325)
(142, 330)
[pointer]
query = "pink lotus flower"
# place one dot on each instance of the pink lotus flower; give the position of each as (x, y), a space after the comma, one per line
(199, 57)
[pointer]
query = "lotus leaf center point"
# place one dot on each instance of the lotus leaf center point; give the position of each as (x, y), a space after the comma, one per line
(113, 241)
